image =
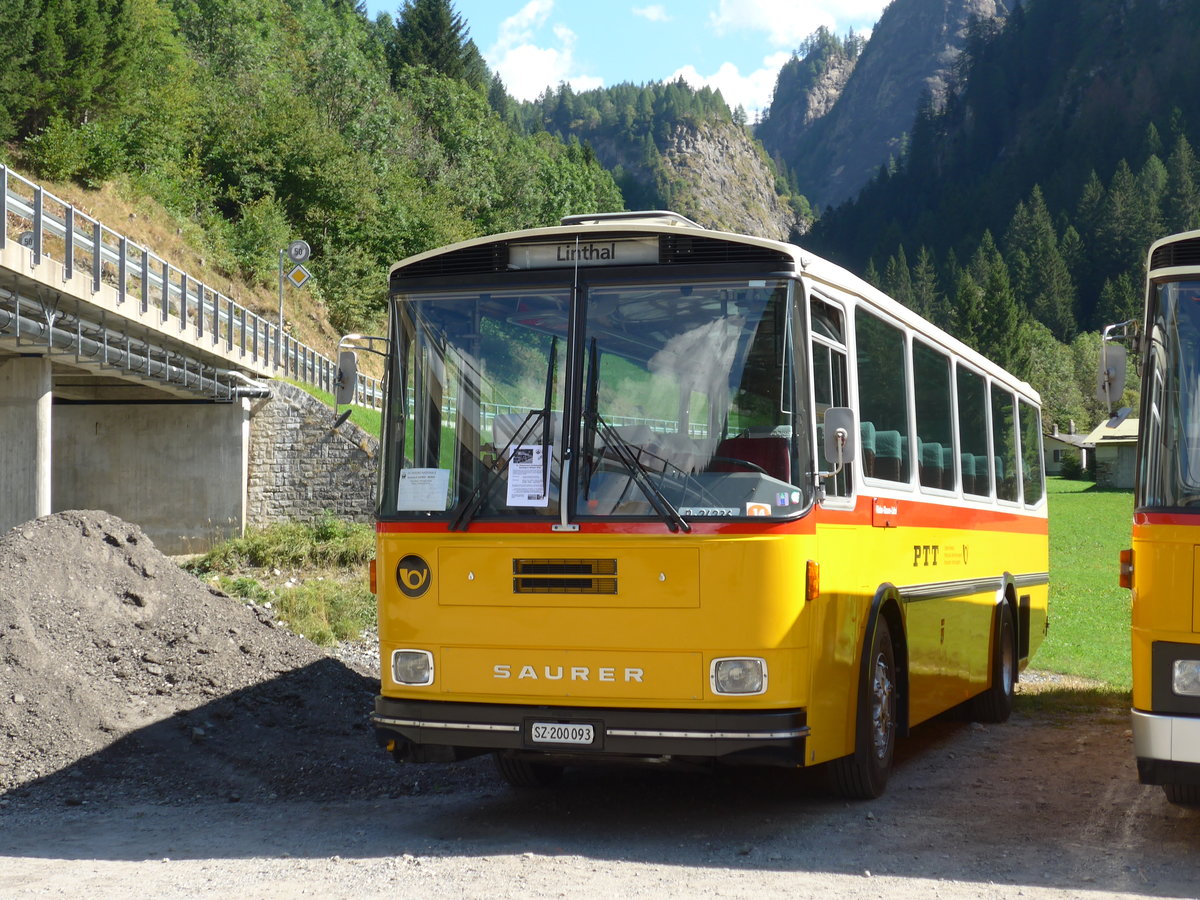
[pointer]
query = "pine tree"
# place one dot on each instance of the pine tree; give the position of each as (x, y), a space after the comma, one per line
(1118, 236)
(969, 308)
(871, 276)
(999, 337)
(1120, 300)
(926, 299)
(430, 33)
(501, 102)
(1152, 188)
(1181, 202)
(16, 51)
(1041, 278)
(897, 280)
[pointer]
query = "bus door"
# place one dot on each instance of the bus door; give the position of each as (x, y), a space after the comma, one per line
(838, 615)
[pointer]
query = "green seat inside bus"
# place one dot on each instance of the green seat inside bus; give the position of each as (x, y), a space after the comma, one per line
(866, 434)
(931, 464)
(889, 455)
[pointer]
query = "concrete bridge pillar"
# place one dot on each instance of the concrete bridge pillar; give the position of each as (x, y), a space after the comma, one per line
(25, 426)
(177, 469)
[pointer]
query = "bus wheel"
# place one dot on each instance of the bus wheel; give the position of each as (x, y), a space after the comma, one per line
(864, 774)
(525, 774)
(996, 703)
(1183, 794)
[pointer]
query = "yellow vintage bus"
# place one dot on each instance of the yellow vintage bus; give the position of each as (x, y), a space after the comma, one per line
(654, 493)
(1161, 568)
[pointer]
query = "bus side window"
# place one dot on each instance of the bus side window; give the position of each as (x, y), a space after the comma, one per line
(931, 385)
(829, 378)
(1004, 443)
(883, 394)
(1032, 479)
(973, 433)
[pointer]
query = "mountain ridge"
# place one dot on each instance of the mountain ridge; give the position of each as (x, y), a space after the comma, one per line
(911, 55)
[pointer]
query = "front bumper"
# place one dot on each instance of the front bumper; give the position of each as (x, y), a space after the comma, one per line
(769, 737)
(1167, 748)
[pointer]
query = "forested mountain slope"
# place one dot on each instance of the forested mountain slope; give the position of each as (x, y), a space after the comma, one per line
(671, 146)
(261, 121)
(841, 107)
(1054, 144)
(1021, 212)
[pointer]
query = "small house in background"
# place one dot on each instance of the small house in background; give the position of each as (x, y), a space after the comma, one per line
(1058, 445)
(1115, 443)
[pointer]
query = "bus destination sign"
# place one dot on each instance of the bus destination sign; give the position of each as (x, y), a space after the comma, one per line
(568, 254)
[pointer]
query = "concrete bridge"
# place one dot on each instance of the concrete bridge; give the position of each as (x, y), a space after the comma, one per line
(126, 384)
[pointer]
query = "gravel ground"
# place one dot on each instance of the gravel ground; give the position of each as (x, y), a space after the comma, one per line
(160, 739)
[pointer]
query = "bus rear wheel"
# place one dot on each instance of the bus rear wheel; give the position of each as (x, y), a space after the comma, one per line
(864, 774)
(525, 774)
(996, 703)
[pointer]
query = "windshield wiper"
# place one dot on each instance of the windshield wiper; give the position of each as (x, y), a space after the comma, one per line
(594, 423)
(546, 413)
(471, 505)
(590, 416)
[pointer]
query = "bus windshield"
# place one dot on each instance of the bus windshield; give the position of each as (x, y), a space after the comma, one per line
(687, 403)
(1170, 470)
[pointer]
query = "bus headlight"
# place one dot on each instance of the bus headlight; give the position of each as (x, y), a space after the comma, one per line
(738, 675)
(412, 667)
(1185, 677)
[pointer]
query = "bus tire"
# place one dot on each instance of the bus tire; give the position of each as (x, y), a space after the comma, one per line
(522, 773)
(996, 703)
(864, 774)
(1183, 794)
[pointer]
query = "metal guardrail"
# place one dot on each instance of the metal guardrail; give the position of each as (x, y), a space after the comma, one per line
(52, 228)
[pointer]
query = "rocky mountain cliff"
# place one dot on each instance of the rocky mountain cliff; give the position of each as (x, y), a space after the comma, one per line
(710, 171)
(836, 118)
(720, 178)
(672, 146)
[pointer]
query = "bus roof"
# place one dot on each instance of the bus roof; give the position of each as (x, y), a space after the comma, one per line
(810, 266)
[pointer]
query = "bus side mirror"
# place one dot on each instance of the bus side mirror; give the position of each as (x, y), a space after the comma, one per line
(1110, 382)
(841, 435)
(347, 378)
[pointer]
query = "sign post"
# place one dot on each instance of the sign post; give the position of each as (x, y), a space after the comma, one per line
(297, 252)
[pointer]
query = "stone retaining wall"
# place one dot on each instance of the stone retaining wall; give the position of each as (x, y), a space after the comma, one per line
(300, 468)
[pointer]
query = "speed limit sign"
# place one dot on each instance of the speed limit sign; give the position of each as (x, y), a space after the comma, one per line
(298, 251)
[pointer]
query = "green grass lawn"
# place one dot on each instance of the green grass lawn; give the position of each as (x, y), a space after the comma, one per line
(1089, 611)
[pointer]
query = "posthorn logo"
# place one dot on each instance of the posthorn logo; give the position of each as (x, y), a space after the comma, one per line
(413, 576)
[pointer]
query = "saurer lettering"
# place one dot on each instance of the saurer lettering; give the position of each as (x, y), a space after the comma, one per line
(572, 673)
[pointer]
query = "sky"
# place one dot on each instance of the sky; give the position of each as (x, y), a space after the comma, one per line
(737, 46)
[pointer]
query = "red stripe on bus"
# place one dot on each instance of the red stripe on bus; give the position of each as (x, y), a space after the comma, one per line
(1180, 518)
(910, 514)
(797, 526)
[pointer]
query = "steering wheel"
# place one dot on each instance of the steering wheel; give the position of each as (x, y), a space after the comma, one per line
(733, 460)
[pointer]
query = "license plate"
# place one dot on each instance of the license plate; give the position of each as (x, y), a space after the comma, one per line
(561, 733)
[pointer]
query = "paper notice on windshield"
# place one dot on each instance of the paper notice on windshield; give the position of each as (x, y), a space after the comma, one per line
(528, 485)
(423, 489)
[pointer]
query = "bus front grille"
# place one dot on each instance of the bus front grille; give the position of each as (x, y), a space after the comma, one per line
(1183, 253)
(564, 576)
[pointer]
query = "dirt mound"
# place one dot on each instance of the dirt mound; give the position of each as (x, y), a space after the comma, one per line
(121, 672)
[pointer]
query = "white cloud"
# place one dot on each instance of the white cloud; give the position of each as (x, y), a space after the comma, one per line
(654, 13)
(787, 22)
(525, 65)
(519, 28)
(752, 91)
